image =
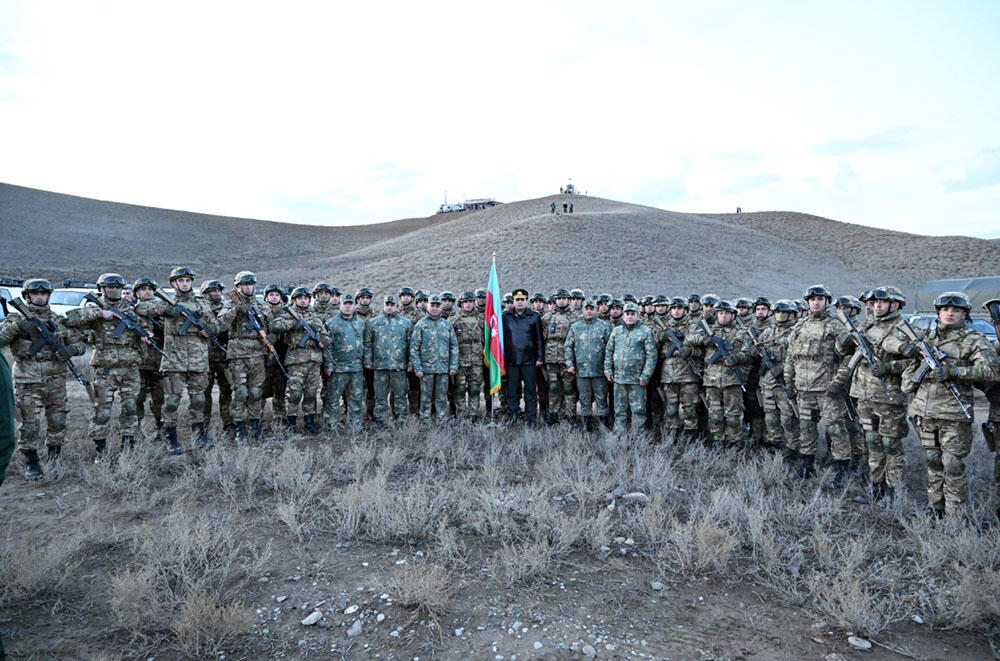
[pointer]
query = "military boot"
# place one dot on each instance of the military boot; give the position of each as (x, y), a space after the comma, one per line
(100, 445)
(32, 467)
(806, 466)
(290, 423)
(310, 425)
(200, 435)
(240, 430)
(588, 423)
(128, 442)
(790, 459)
(170, 435)
(159, 429)
(255, 434)
(842, 473)
(877, 491)
(52, 453)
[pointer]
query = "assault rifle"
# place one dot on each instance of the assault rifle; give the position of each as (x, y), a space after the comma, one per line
(47, 330)
(865, 350)
(932, 361)
(191, 318)
(677, 345)
(127, 320)
(723, 350)
(769, 363)
(256, 324)
(311, 333)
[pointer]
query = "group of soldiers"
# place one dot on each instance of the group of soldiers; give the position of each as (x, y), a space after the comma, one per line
(747, 373)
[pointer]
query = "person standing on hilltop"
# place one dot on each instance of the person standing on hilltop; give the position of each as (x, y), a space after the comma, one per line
(552, 207)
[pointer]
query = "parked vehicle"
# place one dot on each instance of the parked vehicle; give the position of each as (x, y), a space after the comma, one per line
(9, 293)
(64, 300)
(926, 321)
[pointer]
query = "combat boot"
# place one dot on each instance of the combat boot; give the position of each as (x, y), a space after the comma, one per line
(240, 430)
(309, 424)
(290, 423)
(877, 490)
(790, 459)
(255, 434)
(806, 466)
(52, 453)
(159, 429)
(842, 473)
(200, 435)
(170, 435)
(588, 423)
(100, 445)
(32, 467)
(128, 442)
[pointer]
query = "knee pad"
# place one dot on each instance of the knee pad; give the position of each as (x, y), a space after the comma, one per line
(171, 403)
(128, 406)
(197, 400)
(672, 410)
(716, 417)
(57, 422)
(102, 415)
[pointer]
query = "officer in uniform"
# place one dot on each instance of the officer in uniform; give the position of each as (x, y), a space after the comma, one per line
(363, 310)
(629, 360)
(583, 353)
(434, 356)
(150, 376)
(523, 353)
(387, 354)
(468, 384)
(218, 364)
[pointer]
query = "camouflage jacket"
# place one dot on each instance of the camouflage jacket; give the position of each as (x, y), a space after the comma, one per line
(555, 327)
(434, 346)
(364, 312)
(469, 328)
(630, 356)
(109, 351)
(585, 345)
(187, 352)
(886, 343)
(150, 357)
(43, 365)
(325, 311)
(291, 329)
(718, 374)
(811, 358)
(244, 342)
(677, 368)
(347, 341)
(774, 337)
(974, 359)
(411, 312)
(387, 342)
(215, 354)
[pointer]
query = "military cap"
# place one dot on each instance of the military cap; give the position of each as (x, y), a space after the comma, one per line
(710, 299)
(561, 293)
(817, 290)
(348, 298)
(272, 287)
(434, 298)
(301, 291)
(182, 272)
(678, 302)
(145, 280)
(955, 299)
(537, 297)
(421, 295)
(246, 278)
(405, 290)
(480, 293)
(112, 279)
(447, 296)
(324, 286)
(590, 304)
(784, 305)
(725, 306)
(577, 293)
(762, 300)
(208, 285)
(631, 306)
(390, 299)
(37, 284)
(520, 292)
(604, 298)
(364, 291)
(467, 296)
(694, 297)
(629, 297)
(615, 303)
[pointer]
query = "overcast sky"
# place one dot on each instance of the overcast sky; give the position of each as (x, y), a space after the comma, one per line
(880, 113)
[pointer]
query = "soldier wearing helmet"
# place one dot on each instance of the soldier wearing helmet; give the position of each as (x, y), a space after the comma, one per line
(576, 299)
(945, 432)
(991, 428)
(325, 300)
(708, 303)
(363, 310)
(306, 338)
(680, 384)
(468, 382)
(447, 304)
(603, 307)
(538, 303)
(744, 310)
(616, 308)
(39, 376)
(562, 396)
(115, 362)
(275, 382)
(407, 309)
(150, 377)
(781, 424)
(218, 365)
(694, 308)
(187, 348)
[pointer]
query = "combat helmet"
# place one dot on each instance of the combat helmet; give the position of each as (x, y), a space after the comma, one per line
(182, 272)
(725, 306)
(37, 284)
(301, 291)
(145, 281)
(447, 296)
(111, 279)
(955, 299)
(577, 293)
(784, 305)
(324, 286)
(247, 278)
(207, 286)
(467, 296)
(363, 291)
(678, 302)
(710, 299)
(817, 290)
(897, 295)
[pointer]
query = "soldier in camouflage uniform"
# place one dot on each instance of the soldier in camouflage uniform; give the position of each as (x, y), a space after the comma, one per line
(811, 363)
(114, 363)
(363, 310)
(487, 397)
(275, 381)
(247, 355)
(342, 363)
(583, 352)
(447, 304)
(576, 299)
(680, 384)
(629, 360)
(218, 365)
(434, 356)
(469, 329)
(991, 428)
(852, 307)
(306, 337)
(323, 303)
(407, 309)
(694, 308)
(945, 431)
(780, 420)
(187, 348)
(744, 311)
(723, 378)
(150, 377)
(562, 384)
(759, 319)
(39, 376)
(604, 307)
(387, 353)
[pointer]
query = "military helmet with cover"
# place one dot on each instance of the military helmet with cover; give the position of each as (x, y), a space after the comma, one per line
(405, 291)
(678, 302)
(817, 290)
(209, 285)
(182, 272)
(245, 278)
(467, 296)
(561, 293)
(37, 284)
(616, 303)
(784, 305)
(273, 287)
(725, 306)
(480, 293)
(537, 297)
(363, 291)
(577, 293)
(112, 279)
(421, 295)
(447, 296)
(743, 302)
(897, 295)
(761, 300)
(301, 291)
(324, 286)
(145, 281)
(710, 299)
(955, 299)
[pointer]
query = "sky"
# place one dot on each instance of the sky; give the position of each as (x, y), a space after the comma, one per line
(878, 113)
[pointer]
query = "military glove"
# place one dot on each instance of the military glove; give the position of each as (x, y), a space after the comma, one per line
(62, 354)
(729, 361)
(685, 352)
(877, 369)
(908, 350)
(834, 391)
(945, 373)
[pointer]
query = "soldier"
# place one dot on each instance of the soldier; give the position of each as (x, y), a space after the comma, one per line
(708, 303)
(387, 354)
(576, 298)
(187, 349)
(447, 304)
(811, 363)
(275, 381)
(604, 307)
(724, 377)
(507, 304)
(487, 397)
(406, 307)
(39, 373)
(780, 420)
(694, 308)
(128, 294)
(851, 307)
(420, 300)
(218, 365)
(538, 304)
(680, 376)
(944, 428)
(523, 346)
(434, 356)
(363, 310)
(342, 364)
(468, 381)
(629, 360)
(754, 321)
(991, 428)
(481, 301)
(114, 363)
(150, 376)
(583, 353)
(561, 384)
(744, 311)
(323, 303)
(306, 338)
(248, 355)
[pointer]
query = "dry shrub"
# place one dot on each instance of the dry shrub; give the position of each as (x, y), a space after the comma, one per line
(372, 510)
(425, 587)
(203, 628)
(30, 568)
(135, 599)
(515, 563)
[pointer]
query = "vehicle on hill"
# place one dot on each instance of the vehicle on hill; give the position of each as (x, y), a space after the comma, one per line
(448, 208)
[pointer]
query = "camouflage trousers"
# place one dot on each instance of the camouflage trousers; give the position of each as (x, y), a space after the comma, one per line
(108, 380)
(630, 398)
(348, 385)
(305, 381)
(246, 377)
(562, 390)
(814, 406)
(369, 391)
(173, 387)
(780, 423)
(725, 413)
(275, 387)
(991, 434)
(35, 399)
(391, 383)
(218, 375)
(593, 392)
(467, 384)
(151, 387)
(680, 405)
(885, 428)
(946, 444)
(433, 394)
